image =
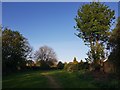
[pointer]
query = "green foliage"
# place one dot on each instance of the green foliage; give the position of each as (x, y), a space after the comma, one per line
(75, 66)
(44, 65)
(15, 50)
(65, 66)
(75, 61)
(93, 22)
(115, 45)
(72, 66)
(83, 79)
(60, 65)
(36, 79)
(29, 79)
(83, 65)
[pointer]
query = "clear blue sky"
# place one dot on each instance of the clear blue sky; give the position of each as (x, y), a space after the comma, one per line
(50, 24)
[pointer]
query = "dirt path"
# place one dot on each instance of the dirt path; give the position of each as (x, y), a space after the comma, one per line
(52, 82)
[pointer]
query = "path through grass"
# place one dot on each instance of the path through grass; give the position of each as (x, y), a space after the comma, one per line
(56, 79)
(52, 81)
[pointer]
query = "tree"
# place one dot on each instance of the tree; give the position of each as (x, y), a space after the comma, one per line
(44, 65)
(46, 54)
(15, 50)
(75, 60)
(75, 64)
(60, 65)
(30, 63)
(65, 66)
(0, 43)
(93, 22)
(114, 42)
(72, 66)
(80, 65)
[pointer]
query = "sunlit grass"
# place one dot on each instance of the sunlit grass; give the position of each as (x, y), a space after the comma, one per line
(82, 80)
(37, 79)
(25, 80)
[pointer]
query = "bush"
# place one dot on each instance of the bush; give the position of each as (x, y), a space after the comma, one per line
(60, 65)
(71, 67)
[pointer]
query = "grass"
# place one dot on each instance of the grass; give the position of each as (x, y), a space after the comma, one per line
(83, 79)
(32, 79)
(73, 80)
(36, 79)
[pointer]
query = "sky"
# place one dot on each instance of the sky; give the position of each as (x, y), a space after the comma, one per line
(0, 12)
(48, 23)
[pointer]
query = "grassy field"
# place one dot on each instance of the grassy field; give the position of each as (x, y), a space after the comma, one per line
(32, 79)
(60, 78)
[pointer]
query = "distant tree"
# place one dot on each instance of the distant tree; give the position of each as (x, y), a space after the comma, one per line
(60, 65)
(85, 65)
(75, 64)
(30, 63)
(68, 66)
(80, 65)
(93, 22)
(44, 65)
(75, 60)
(47, 55)
(72, 66)
(65, 66)
(15, 50)
(37, 63)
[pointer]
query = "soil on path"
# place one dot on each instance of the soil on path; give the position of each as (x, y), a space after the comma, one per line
(52, 82)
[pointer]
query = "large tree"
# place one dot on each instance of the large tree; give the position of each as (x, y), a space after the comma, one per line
(47, 55)
(114, 42)
(93, 22)
(15, 50)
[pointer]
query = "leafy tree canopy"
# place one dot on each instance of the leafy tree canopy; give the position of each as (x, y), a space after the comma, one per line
(15, 49)
(93, 22)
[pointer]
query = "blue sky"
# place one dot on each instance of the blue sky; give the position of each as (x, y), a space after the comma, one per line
(0, 13)
(50, 24)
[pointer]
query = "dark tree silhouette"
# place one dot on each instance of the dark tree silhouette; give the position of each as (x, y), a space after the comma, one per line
(60, 65)
(15, 50)
(115, 45)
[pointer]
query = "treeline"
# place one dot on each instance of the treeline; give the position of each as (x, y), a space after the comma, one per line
(93, 23)
(17, 54)
(73, 66)
(76, 66)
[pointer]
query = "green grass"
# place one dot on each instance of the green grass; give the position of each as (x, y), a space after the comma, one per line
(73, 80)
(32, 79)
(36, 79)
(82, 79)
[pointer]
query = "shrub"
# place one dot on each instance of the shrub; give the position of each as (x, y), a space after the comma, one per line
(60, 65)
(71, 67)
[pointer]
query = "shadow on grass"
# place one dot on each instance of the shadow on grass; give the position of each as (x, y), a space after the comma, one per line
(81, 79)
(84, 79)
